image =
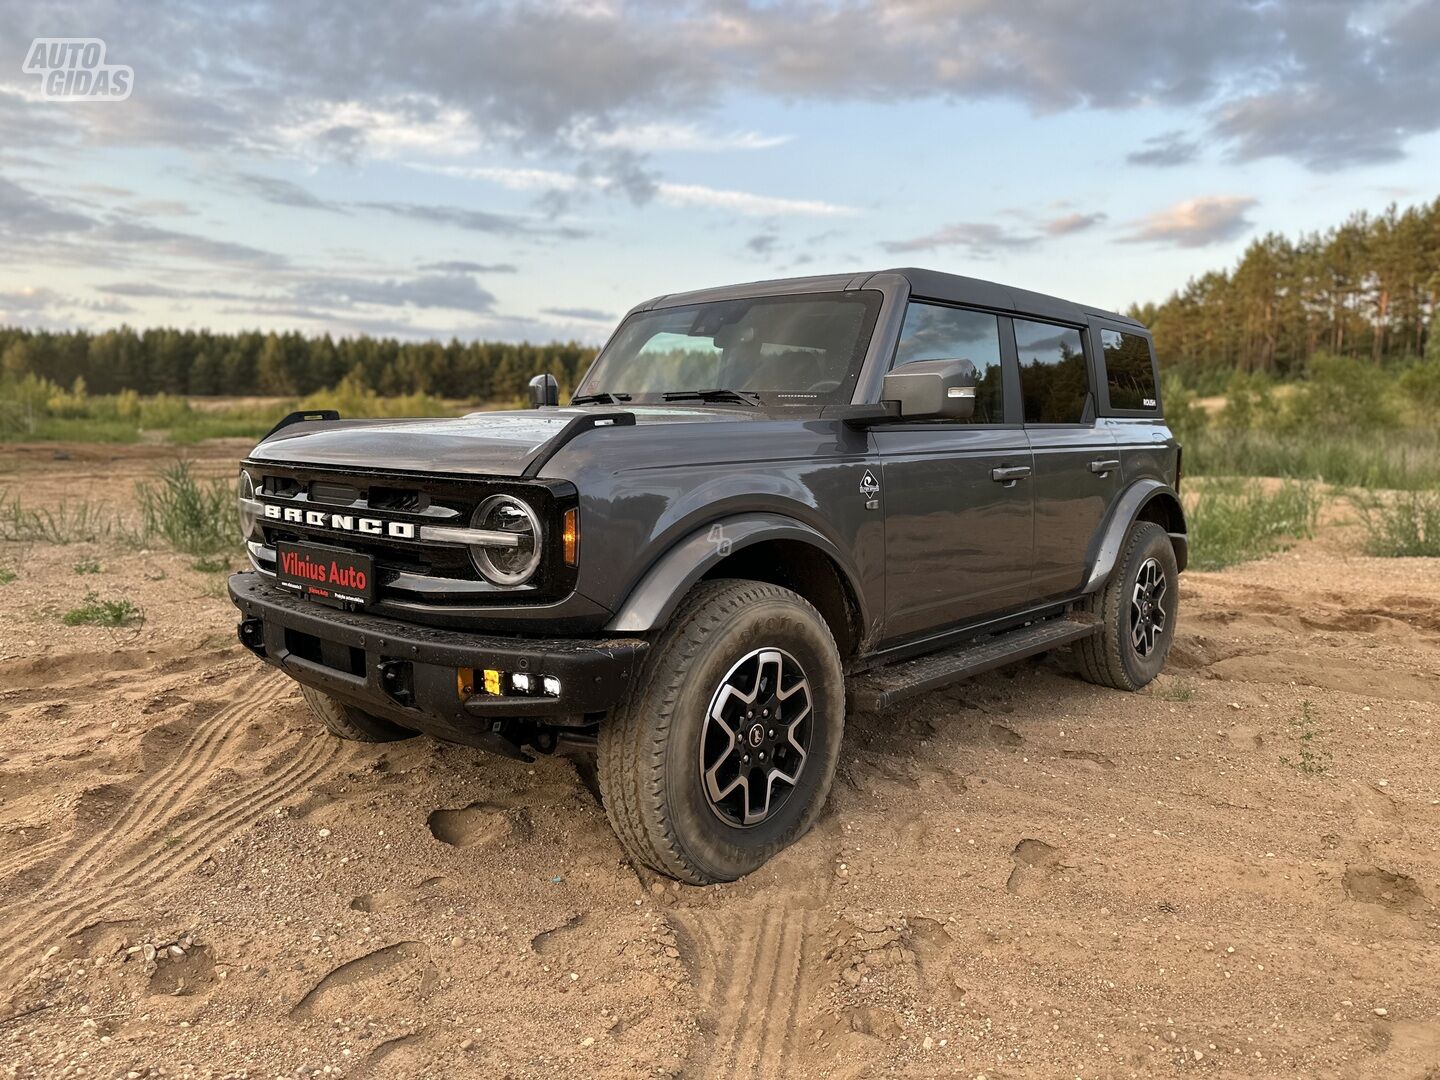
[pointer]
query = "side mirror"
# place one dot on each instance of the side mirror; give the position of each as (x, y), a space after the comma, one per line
(932, 390)
(544, 390)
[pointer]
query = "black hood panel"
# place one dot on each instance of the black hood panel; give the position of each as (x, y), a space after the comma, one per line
(483, 444)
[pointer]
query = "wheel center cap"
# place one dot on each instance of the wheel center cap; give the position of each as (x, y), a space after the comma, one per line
(756, 735)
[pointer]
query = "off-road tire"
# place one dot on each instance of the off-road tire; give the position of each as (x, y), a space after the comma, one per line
(649, 753)
(348, 722)
(1109, 658)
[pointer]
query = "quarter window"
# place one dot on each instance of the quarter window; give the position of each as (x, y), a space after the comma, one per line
(1129, 371)
(1053, 377)
(932, 332)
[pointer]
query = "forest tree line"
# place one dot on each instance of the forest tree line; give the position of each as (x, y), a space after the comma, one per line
(1368, 289)
(204, 363)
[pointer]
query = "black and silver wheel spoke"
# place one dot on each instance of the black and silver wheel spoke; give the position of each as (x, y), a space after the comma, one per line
(1148, 619)
(756, 736)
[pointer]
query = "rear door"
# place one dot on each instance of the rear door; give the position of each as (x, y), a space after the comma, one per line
(1077, 460)
(957, 538)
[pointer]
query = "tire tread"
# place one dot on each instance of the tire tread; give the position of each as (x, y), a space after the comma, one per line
(632, 752)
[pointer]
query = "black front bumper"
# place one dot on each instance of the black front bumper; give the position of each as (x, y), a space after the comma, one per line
(408, 673)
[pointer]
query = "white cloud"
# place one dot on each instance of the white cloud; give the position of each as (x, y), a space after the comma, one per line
(1195, 222)
(407, 125)
(745, 203)
(661, 137)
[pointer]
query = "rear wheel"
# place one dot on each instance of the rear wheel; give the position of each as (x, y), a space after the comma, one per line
(348, 722)
(724, 751)
(1137, 610)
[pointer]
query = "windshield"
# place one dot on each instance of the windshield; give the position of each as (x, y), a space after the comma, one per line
(778, 350)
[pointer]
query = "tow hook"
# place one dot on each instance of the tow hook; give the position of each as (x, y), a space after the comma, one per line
(252, 635)
(396, 681)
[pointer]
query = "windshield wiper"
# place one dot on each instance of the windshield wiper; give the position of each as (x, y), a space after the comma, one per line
(604, 397)
(741, 397)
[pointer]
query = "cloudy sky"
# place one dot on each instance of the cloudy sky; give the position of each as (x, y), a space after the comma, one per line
(532, 170)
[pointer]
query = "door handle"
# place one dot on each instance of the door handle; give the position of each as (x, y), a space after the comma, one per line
(1105, 465)
(1007, 475)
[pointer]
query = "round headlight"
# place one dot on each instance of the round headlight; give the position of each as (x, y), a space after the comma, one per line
(508, 564)
(249, 510)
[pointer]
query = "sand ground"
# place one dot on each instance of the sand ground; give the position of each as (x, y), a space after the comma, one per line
(1232, 873)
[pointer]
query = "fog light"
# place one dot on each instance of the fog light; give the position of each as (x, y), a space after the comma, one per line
(521, 682)
(551, 685)
(492, 682)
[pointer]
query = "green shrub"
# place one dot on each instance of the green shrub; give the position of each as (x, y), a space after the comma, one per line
(1420, 385)
(1233, 521)
(354, 399)
(1342, 393)
(96, 612)
(1249, 403)
(1404, 524)
(193, 516)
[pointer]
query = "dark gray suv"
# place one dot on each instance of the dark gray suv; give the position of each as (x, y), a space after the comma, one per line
(764, 503)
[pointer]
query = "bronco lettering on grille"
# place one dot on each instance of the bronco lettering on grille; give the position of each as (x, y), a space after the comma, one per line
(366, 526)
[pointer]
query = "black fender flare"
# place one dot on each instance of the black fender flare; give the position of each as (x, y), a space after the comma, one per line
(1126, 511)
(655, 596)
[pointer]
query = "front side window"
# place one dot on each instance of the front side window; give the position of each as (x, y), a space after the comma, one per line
(932, 332)
(784, 350)
(1129, 371)
(1053, 377)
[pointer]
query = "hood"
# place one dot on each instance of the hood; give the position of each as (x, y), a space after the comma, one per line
(485, 443)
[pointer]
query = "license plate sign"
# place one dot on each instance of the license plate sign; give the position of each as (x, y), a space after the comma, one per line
(328, 574)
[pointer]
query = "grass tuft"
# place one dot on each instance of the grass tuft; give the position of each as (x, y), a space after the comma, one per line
(86, 566)
(191, 515)
(1405, 524)
(69, 523)
(1311, 758)
(96, 612)
(1232, 521)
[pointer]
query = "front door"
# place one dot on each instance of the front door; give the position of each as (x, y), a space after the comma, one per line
(958, 534)
(1077, 461)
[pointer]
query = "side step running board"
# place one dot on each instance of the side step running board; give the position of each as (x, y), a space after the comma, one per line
(883, 687)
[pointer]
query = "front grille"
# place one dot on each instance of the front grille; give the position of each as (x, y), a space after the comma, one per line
(412, 570)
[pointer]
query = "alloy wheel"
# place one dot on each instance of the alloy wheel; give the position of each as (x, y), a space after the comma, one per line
(756, 737)
(1148, 619)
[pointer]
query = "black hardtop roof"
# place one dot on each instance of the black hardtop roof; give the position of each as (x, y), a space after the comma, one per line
(924, 284)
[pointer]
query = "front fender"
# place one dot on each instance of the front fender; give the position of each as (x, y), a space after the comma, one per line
(1127, 510)
(654, 598)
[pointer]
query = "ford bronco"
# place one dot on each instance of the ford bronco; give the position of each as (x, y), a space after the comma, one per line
(764, 504)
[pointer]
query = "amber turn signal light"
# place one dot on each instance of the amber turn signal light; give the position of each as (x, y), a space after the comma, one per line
(570, 535)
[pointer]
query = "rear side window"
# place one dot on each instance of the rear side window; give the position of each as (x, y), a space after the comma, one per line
(1129, 371)
(1053, 376)
(932, 332)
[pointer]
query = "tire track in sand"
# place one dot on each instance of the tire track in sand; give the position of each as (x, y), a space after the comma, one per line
(144, 859)
(187, 770)
(74, 908)
(751, 987)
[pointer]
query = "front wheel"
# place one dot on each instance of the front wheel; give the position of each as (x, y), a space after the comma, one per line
(1137, 609)
(347, 722)
(724, 751)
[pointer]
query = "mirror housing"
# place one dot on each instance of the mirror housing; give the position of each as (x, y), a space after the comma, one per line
(932, 390)
(544, 390)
